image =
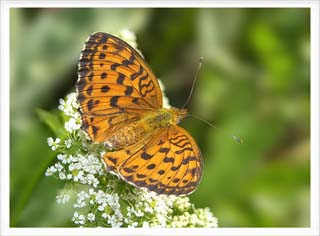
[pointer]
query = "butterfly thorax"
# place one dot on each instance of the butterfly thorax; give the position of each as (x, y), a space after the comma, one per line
(163, 118)
(145, 127)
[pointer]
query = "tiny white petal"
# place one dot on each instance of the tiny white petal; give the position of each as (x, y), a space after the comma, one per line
(50, 141)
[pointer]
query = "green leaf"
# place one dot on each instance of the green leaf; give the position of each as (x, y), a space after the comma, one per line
(52, 121)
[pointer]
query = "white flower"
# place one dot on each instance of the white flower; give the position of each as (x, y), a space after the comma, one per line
(101, 208)
(62, 105)
(72, 100)
(72, 125)
(78, 219)
(50, 171)
(74, 166)
(58, 166)
(100, 197)
(61, 157)
(61, 199)
(182, 203)
(83, 195)
(62, 176)
(53, 143)
(70, 105)
(78, 176)
(165, 99)
(92, 192)
(129, 37)
(79, 205)
(81, 199)
(65, 107)
(68, 143)
(91, 217)
(91, 180)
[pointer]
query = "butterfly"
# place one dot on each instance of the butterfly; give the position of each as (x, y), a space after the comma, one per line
(121, 106)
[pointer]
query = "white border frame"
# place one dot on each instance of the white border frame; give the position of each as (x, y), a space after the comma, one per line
(5, 229)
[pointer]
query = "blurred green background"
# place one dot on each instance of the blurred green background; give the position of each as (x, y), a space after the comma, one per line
(255, 83)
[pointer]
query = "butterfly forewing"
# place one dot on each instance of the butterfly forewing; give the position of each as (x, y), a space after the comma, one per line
(113, 80)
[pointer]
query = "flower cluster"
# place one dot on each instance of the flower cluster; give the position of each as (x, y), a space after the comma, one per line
(104, 200)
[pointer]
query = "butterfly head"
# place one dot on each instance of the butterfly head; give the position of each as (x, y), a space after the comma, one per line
(178, 114)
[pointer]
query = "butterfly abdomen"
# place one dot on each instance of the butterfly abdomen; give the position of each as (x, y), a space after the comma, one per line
(138, 130)
(126, 136)
(145, 127)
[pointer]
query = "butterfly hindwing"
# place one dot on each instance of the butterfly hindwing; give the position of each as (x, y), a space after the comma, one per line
(169, 163)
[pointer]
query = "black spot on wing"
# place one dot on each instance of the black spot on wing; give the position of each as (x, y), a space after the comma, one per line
(103, 75)
(81, 97)
(135, 101)
(81, 84)
(190, 158)
(84, 125)
(141, 176)
(120, 78)
(105, 89)
(151, 166)
(114, 66)
(113, 160)
(152, 180)
(102, 55)
(104, 37)
(114, 101)
(90, 104)
(89, 90)
(130, 61)
(168, 159)
(94, 130)
(129, 91)
(137, 74)
(164, 150)
(146, 156)
(83, 72)
(160, 142)
(176, 180)
(128, 170)
(139, 183)
(183, 150)
(174, 168)
(90, 77)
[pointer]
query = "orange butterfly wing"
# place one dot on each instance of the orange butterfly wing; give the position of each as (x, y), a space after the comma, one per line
(115, 86)
(169, 162)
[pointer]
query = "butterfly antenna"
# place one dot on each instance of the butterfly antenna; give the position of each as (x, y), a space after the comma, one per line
(193, 83)
(235, 138)
(205, 121)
